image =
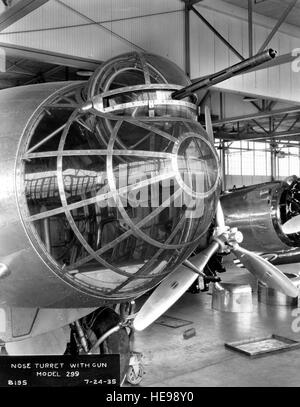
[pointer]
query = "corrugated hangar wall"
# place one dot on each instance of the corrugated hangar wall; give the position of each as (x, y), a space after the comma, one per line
(278, 82)
(158, 26)
(162, 34)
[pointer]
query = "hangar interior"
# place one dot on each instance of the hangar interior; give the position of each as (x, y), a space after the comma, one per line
(256, 125)
(53, 40)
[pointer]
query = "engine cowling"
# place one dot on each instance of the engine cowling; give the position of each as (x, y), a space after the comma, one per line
(259, 211)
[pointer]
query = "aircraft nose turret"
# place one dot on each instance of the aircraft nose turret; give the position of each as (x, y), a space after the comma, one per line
(125, 185)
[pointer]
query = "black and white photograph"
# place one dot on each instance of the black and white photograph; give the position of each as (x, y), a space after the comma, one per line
(149, 196)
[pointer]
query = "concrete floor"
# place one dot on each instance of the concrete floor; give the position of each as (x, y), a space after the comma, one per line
(171, 360)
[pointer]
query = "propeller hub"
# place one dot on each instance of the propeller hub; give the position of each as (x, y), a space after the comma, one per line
(235, 236)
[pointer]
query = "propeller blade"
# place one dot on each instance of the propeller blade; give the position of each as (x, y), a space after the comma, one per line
(208, 124)
(171, 289)
(220, 220)
(292, 226)
(265, 271)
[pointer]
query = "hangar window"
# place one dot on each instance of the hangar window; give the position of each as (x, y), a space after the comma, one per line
(247, 158)
(234, 162)
(247, 163)
(294, 160)
(262, 159)
(288, 162)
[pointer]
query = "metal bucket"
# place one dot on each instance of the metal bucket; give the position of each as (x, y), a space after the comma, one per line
(231, 297)
(269, 296)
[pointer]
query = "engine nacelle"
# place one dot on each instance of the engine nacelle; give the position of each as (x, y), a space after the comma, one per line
(259, 211)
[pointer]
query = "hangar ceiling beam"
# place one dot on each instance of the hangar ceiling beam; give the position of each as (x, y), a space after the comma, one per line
(281, 121)
(278, 24)
(256, 105)
(15, 68)
(271, 105)
(18, 11)
(42, 76)
(90, 20)
(254, 136)
(192, 2)
(216, 32)
(294, 123)
(50, 57)
(273, 135)
(260, 126)
(256, 116)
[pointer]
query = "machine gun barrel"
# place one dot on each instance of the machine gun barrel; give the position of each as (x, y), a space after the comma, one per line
(237, 69)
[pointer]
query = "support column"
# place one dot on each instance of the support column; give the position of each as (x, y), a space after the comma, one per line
(250, 27)
(222, 145)
(273, 163)
(223, 165)
(187, 39)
